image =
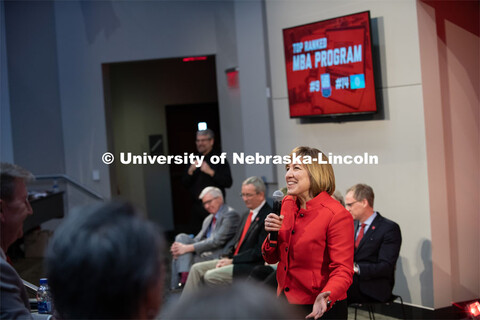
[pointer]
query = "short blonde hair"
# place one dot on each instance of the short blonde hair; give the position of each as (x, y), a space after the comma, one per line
(321, 175)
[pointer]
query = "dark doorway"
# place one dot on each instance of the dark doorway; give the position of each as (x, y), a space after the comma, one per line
(137, 94)
(182, 121)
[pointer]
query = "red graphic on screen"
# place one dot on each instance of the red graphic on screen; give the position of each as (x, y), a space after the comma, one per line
(329, 67)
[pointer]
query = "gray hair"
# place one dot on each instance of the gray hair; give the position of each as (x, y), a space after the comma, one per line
(207, 132)
(362, 191)
(8, 173)
(256, 182)
(102, 261)
(214, 191)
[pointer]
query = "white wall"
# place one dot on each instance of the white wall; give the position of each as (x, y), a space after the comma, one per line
(450, 47)
(400, 179)
(92, 33)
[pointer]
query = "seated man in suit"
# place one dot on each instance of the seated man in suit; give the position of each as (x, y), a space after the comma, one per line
(244, 252)
(14, 209)
(218, 228)
(377, 246)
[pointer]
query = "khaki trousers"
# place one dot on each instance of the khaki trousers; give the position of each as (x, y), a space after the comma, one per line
(205, 273)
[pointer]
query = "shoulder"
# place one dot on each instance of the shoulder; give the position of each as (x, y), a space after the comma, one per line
(331, 205)
(386, 221)
(7, 271)
(229, 211)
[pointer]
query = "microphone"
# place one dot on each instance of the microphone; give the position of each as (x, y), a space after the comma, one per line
(277, 207)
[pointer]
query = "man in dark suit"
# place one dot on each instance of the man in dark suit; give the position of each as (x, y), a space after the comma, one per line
(244, 252)
(377, 246)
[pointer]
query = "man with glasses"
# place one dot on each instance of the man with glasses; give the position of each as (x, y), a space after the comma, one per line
(244, 251)
(217, 229)
(208, 174)
(377, 246)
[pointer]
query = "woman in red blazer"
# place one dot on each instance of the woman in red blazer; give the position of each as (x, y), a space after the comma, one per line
(315, 239)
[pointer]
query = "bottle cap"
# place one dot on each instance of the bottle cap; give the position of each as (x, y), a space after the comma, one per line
(43, 281)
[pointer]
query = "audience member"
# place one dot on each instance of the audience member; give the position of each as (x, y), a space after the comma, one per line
(244, 252)
(377, 246)
(315, 239)
(218, 228)
(241, 301)
(14, 209)
(106, 261)
(208, 174)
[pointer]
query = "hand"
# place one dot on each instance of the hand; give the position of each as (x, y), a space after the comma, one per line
(273, 222)
(356, 270)
(205, 168)
(224, 262)
(178, 249)
(320, 305)
(192, 168)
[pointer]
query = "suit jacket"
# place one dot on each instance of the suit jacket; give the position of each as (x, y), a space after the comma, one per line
(314, 250)
(376, 256)
(14, 299)
(250, 252)
(225, 229)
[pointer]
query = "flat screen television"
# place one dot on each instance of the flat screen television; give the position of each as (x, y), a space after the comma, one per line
(330, 68)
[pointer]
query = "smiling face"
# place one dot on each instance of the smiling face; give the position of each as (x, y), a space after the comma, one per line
(13, 214)
(251, 197)
(298, 182)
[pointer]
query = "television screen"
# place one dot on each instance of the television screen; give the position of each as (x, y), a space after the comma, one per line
(329, 67)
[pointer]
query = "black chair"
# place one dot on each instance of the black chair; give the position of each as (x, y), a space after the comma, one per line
(371, 306)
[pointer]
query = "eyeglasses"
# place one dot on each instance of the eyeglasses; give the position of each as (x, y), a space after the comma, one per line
(206, 203)
(350, 204)
(247, 195)
(204, 139)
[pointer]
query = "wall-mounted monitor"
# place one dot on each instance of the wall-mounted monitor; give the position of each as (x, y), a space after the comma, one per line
(329, 67)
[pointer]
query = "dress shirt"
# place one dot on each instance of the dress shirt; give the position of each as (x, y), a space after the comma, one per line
(257, 209)
(367, 223)
(216, 216)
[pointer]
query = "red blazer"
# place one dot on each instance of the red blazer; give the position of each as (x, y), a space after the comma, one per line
(314, 250)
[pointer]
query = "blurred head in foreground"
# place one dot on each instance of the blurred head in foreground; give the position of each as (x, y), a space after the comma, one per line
(241, 300)
(106, 261)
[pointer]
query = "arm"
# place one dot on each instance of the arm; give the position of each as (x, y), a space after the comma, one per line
(387, 255)
(221, 174)
(272, 223)
(226, 231)
(14, 300)
(340, 242)
(189, 174)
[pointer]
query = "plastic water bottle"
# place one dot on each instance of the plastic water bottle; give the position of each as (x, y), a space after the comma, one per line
(44, 297)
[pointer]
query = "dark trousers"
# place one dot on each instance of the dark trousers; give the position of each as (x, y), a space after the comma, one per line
(354, 295)
(338, 311)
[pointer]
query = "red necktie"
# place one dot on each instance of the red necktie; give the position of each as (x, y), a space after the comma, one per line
(360, 235)
(244, 232)
(214, 222)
